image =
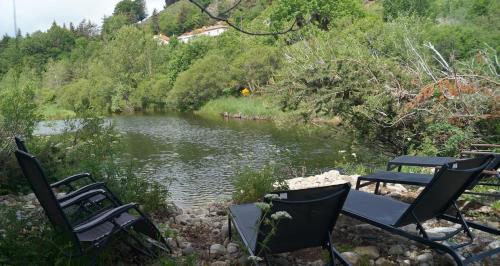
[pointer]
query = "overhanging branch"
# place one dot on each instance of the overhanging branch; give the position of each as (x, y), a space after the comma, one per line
(232, 25)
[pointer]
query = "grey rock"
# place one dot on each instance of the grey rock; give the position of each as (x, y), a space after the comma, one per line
(183, 219)
(439, 231)
(187, 250)
(317, 263)
(219, 263)
(384, 262)
(217, 250)
(423, 258)
(232, 248)
(396, 250)
(351, 257)
(243, 260)
(172, 243)
(225, 230)
(369, 251)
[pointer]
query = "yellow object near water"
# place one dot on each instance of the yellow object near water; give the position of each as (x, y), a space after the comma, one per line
(245, 92)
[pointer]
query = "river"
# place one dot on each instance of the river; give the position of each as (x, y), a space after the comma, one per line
(201, 154)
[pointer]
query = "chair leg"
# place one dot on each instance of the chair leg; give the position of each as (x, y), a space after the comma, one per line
(229, 226)
(377, 186)
(358, 182)
(334, 254)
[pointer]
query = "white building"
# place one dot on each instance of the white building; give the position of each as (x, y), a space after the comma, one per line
(214, 30)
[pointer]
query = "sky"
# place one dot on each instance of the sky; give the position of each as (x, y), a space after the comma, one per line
(33, 15)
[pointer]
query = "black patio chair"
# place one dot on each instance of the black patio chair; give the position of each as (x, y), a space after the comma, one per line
(436, 200)
(93, 234)
(314, 213)
(424, 179)
(69, 182)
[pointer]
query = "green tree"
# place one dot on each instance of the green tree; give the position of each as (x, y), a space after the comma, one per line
(320, 12)
(155, 26)
(112, 24)
(395, 8)
(206, 79)
(135, 10)
(181, 17)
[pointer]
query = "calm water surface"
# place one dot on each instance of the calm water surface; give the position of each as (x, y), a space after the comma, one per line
(201, 154)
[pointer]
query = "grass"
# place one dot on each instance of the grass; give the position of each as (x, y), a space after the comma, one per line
(496, 205)
(53, 112)
(251, 107)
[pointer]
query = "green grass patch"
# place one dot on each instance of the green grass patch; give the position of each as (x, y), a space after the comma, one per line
(250, 107)
(53, 112)
(496, 205)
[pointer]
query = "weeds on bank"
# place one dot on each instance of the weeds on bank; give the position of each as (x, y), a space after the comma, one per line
(251, 185)
(89, 144)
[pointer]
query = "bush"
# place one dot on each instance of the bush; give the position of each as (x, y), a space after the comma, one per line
(206, 79)
(251, 186)
(461, 41)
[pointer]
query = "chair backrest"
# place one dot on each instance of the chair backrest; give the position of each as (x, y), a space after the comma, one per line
(20, 144)
(314, 213)
(492, 166)
(444, 188)
(34, 173)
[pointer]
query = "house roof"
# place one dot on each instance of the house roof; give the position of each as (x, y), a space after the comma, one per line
(204, 29)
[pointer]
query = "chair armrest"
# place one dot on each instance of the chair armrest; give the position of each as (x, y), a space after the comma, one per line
(70, 179)
(84, 196)
(104, 218)
(98, 185)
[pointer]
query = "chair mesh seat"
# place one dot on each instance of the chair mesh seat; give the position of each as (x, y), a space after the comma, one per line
(246, 217)
(399, 177)
(374, 207)
(106, 228)
(429, 161)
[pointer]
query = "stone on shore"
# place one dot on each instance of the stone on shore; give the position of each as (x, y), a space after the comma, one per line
(371, 252)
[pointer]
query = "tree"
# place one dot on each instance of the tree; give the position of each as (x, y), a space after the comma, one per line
(180, 17)
(318, 12)
(112, 24)
(155, 26)
(395, 8)
(135, 10)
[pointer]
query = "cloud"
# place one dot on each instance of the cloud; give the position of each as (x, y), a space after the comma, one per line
(39, 15)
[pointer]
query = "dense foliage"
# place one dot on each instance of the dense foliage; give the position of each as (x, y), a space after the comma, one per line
(389, 69)
(411, 76)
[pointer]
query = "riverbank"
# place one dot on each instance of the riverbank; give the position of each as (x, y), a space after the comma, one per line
(199, 235)
(250, 107)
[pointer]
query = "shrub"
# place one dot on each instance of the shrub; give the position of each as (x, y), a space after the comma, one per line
(206, 79)
(461, 41)
(251, 186)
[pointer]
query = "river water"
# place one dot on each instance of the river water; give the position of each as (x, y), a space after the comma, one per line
(201, 154)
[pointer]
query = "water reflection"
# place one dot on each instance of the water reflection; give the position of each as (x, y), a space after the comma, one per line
(201, 154)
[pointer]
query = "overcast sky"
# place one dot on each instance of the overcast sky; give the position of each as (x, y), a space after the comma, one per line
(33, 15)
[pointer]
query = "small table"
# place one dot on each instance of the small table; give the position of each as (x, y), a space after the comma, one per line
(422, 161)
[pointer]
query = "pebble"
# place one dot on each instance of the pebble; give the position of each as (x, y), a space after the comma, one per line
(423, 258)
(396, 250)
(369, 251)
(188, 250)
(219, 263)
(351, 257)
(172, 243)
(317, 263)
(232, 248)
(217, 250)
(183, 219)
(225, 230)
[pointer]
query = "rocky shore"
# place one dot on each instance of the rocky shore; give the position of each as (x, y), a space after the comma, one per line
(202, 232)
